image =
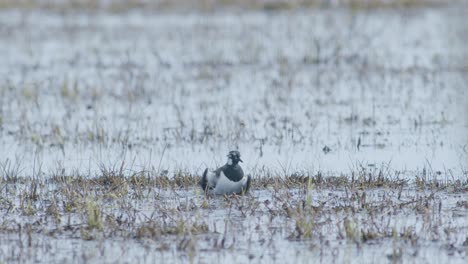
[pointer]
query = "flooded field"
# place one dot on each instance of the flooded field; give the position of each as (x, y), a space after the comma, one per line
(112, 218)
(352, 122)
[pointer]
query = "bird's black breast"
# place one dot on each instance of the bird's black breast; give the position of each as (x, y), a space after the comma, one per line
(233, 173)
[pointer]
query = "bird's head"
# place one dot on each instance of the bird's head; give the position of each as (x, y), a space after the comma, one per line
(234, 157)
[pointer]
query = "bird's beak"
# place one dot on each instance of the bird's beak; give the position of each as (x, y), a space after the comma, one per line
(241, 160)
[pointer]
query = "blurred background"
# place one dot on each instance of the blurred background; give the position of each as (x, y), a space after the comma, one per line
(297, 86)
(122, 5)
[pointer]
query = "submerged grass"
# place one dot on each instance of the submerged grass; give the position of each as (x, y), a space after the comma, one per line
(308, 102)
(313, 209)
(118, 183)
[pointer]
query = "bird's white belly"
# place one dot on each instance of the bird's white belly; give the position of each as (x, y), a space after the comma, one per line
(226, 186)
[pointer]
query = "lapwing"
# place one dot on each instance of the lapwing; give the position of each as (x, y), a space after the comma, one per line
(228, 179)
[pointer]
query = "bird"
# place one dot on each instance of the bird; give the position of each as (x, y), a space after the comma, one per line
(228, 179)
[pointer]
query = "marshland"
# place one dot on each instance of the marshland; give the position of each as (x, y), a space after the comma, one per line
(351, 118)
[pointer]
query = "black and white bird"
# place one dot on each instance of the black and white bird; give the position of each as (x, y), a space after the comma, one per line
(228, 179)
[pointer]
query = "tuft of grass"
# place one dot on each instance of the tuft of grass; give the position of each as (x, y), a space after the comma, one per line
(304, 228)
(94, 215)
(10, 172)
(351, 230)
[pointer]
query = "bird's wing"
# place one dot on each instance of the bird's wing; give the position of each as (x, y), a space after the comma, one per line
(204, 180)
(212, 177)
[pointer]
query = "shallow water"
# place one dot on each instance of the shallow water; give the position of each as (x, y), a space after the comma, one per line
(297, 92)
(177, 91)
(261, 227)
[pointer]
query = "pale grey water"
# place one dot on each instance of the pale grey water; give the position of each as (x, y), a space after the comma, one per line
(178, 91)
(183, 89)
(259, 235)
